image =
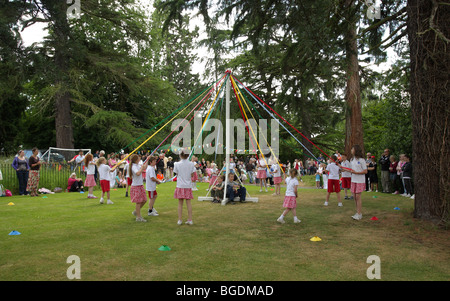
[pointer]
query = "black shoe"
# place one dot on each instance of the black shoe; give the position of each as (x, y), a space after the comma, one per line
(126, 194)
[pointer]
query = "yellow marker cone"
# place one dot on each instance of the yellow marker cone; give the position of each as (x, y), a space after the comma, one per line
(316, 238)
(10, 204)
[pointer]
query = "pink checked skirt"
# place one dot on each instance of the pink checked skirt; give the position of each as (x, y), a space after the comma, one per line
(137, 194)
(90, 181)
(194, 178)
(261, 174)
(211, 181)
(276, 180)
(357, 187)
(183, 193)
(290, 202)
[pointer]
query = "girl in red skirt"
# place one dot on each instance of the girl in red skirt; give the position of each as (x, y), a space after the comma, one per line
(290, 199)
(90, 180)
(104, 172)
(137, 190)
(185, 170)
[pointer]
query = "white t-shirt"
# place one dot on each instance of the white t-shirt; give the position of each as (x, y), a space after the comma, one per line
(149, 174)
(290, 184)
(276, 170)
(103, 171)
(91, 168)
(137, 179)
(346, 174)
(358, 165)
(214, 171)
(79, 159)
(334, 171)
(184, 170)
(262, 164)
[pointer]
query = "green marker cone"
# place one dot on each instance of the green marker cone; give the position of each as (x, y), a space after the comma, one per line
(164, 248)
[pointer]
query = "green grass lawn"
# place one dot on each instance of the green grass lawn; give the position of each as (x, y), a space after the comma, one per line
(233, 242)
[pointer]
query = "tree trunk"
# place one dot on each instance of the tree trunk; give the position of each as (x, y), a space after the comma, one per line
(63, 118)
(429, 35)
(353, 118)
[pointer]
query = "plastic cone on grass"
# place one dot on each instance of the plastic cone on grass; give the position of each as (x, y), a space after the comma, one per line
(10, 204)
(396, 208)
(14, 232)
(315, 238)
(164, 248)
(374, 218)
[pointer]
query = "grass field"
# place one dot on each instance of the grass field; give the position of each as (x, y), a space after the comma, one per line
(233, 242)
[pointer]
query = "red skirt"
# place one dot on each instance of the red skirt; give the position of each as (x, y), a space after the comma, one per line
(276, 180)
(183, 193)
(137, 194)
(90, 181)
(290, 202)
(194, 178)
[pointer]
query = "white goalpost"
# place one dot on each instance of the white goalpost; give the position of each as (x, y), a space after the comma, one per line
(59, 155)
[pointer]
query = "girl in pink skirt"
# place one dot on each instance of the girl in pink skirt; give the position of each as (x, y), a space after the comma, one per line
(290, 199)
(194, 177)
(261, 174)
(359, 169)
(137, 191)
(90, 180)
(276, 172)
(214, 173)
(185, 170)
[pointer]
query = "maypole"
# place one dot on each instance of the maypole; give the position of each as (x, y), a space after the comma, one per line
(228, 136)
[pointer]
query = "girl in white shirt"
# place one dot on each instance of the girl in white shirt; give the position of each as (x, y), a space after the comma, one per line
(185, 171)
(104, 173)
(333, 181)
(358, 185)
(90, 180)
(276, 172)
(151, 181)
(290, 199)
(137, 191)
(214, 173)
(261, 174)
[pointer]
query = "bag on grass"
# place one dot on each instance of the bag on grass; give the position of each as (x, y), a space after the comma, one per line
(57, 189)
(8, 192)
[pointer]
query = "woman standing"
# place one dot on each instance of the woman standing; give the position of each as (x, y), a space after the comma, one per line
(33, 181)
(20, 164)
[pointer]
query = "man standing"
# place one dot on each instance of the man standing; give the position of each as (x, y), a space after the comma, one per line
(160, 163)
(368, 160)
(384, 162)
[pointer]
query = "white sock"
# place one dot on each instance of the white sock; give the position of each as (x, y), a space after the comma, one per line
(282, 216)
